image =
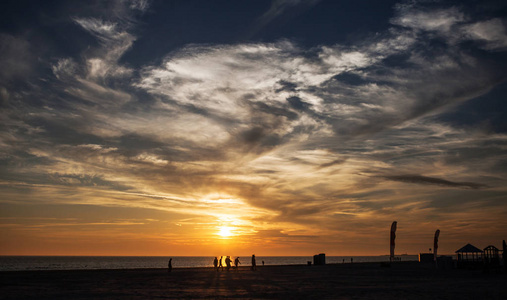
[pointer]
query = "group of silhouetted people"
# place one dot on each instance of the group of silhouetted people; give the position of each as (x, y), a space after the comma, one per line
(217, 263)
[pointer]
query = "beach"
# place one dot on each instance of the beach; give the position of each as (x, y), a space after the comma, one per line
(403, 280)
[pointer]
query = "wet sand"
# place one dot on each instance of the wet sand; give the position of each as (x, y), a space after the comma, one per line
(404, 280)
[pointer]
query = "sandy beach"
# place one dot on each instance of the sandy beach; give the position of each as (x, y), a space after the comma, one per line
(407, 280)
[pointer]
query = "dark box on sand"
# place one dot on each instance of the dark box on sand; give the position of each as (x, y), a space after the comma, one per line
(319, 259)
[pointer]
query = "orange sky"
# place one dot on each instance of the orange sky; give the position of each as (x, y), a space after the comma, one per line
(225, 226)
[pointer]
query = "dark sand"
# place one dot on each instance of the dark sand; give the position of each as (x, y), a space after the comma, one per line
(407, 280)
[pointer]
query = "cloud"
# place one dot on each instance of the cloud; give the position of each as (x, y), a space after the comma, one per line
(419, 18)
(141, 5)
(65, 67)
(491, 33)
(234, 81)
(419, 179)
(15, 57)
(114, 40)
(83, 180)
(453, 24)
(280, 100)
(277, 9)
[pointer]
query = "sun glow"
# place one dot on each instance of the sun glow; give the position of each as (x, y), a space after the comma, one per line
(225, 231)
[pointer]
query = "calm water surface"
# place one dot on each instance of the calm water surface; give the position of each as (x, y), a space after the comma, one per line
(22, 263)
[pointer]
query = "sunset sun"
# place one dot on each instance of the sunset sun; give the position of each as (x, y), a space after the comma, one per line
(225, 231)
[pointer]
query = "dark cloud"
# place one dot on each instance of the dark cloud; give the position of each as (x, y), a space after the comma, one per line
(253, 136)
(135, 143)
(332, 163)
(487, 111)
(418, 179)
(258, 140)
(274, 110)
(64, 130)
(16, 58)
(297, 103)
(351, 78)
(287, 86)
(84, 180)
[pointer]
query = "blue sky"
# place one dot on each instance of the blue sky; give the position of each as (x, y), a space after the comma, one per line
(147, 127)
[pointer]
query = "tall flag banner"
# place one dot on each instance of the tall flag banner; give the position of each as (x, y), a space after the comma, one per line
(393, 237)
(435, 244)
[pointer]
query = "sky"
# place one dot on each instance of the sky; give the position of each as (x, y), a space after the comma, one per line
(283, 127)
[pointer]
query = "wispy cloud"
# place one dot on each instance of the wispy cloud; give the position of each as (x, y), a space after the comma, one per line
(454, 24)
(418, 179)
(114, 40)
(419, 18)
(279, 8)
(491, 33)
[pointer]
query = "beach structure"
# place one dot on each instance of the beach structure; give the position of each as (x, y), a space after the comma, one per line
(469, 256)
(392, 240)
(435, 244)
(491, 258)
(491, 254)
(319, 259)
(426, 257)
(431, 257)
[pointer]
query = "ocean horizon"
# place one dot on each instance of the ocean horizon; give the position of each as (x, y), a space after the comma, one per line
(32, 263)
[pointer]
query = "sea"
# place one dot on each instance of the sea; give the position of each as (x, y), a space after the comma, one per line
(26, 263)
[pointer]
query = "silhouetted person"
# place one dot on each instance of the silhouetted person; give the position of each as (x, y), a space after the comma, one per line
(228, 262)
(220, 264)
(170, 265)
(343, 261)
(215, 263)
(236, 262)
(263, 263)
(254, 266)
(351, 260)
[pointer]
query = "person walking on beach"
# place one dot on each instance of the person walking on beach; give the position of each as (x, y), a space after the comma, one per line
(170, 265)
(228, 263)
(236, 262)
(254, 267)
(220, 264)
(215, 263)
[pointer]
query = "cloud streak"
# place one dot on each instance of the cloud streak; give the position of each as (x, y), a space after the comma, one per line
(418, 179)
